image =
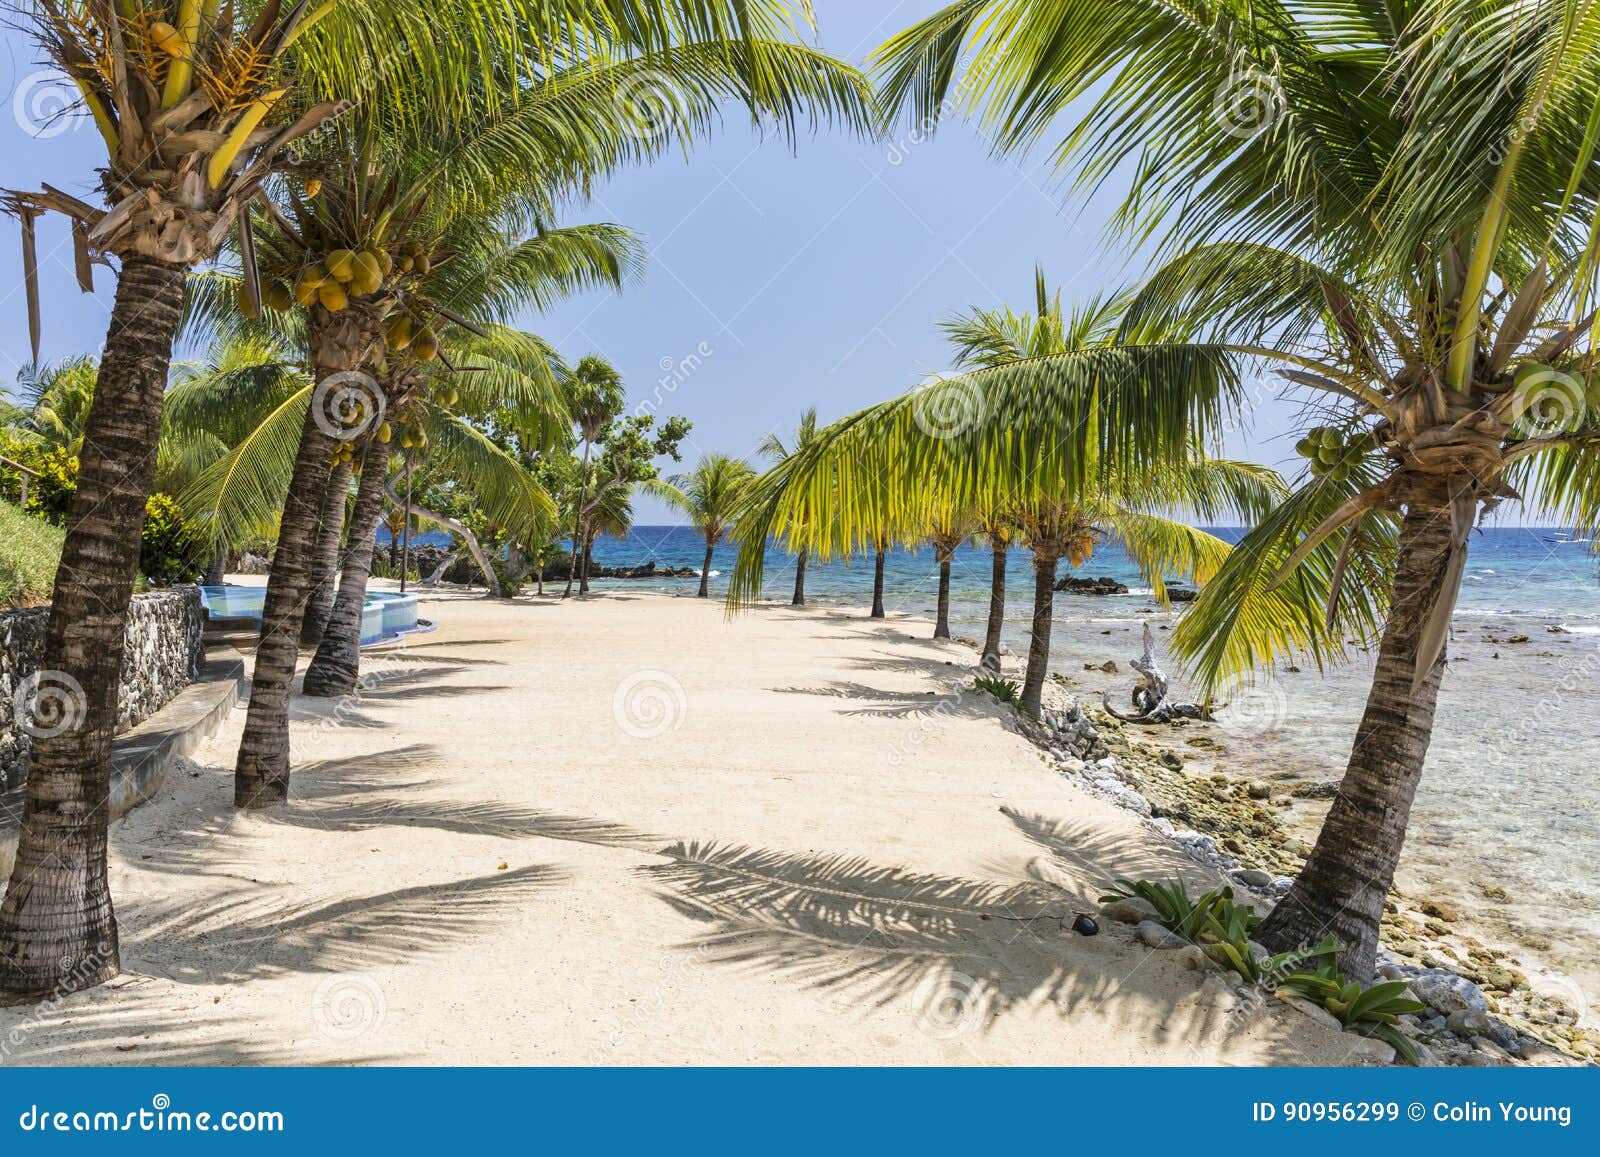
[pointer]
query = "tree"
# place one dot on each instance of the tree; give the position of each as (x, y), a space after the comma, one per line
(597, 398)
(1395, 209)
(194, 114)
(951, 526)
(772, 447)
(712, 495)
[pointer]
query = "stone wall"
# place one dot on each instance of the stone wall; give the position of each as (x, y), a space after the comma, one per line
(162, 653)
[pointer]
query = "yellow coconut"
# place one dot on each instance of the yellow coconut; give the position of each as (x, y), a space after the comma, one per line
(168, 39)
(276, 295)
(366, 274)
(398, 334)
(385, 262)
(313, 186)
(385, 432)
(425, 346)
(341, 263)
(332, 296)
(305, 287)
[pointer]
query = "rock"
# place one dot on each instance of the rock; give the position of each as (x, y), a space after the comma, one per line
(1177, 594)
(1163, 826)
(1447, 992)
(1484, 1045)
(1467, 1022)
(1085, 926)
(1087, 586)
(1325, 789)
(1253, 877)
(1517, 639)
(1505, 1036)
(1128, 910)
(1369, 1050)
(1159, 936)
(1480, 1060)
(1170, 760)
(1282, 884)
(1314, 1011)
(1259, 789)
(1193, 957)
(1072, 765)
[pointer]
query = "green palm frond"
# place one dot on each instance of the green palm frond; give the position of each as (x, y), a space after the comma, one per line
(243, 491)
(1241, 623)
(503, 491)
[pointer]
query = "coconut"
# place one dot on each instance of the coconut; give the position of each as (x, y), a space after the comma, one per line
(332, 296)
(384, 432)
(341, 263)
(168, 39)
(398, 335)
(276, 295)
(313, 186)
(366, 275)
(425, 346)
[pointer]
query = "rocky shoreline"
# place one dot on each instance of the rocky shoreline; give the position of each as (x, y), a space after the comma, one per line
(1481, 1009)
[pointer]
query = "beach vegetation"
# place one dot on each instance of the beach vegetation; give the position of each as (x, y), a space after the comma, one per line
(712, 496)
(1005, 690)
(1394, 214)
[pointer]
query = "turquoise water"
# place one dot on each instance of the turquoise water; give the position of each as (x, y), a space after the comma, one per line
(1511, 570)
(385, 616)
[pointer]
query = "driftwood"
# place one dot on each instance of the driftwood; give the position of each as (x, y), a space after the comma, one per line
(1150, 701)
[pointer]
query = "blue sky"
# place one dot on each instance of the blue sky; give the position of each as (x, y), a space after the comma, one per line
(778, 279)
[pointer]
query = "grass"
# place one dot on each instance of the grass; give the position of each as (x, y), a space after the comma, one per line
(29, 551)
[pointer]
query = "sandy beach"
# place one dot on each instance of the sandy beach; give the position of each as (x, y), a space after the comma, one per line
(631, 830)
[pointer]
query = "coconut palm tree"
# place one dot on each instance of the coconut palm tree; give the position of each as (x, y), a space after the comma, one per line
(713, 496)
(950, 528)
(597, 398)
(195, 105)
(1395, 209)
(772, 447)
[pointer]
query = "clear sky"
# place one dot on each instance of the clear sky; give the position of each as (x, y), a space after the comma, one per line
(777, 280)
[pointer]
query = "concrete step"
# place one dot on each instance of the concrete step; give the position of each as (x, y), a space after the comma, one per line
(141, 757)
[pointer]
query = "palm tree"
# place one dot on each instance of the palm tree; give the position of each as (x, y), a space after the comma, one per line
(950, 528)
(597, 398)
(713, 496)
(880, 549)
(772, 447)
(195, 105)
(1396, 208)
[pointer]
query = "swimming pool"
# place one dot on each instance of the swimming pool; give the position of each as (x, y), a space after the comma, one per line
(387, 614)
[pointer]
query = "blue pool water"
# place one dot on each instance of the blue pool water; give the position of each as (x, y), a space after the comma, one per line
(386, 615)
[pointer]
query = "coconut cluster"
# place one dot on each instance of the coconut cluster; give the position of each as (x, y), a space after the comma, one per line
(1332, 452)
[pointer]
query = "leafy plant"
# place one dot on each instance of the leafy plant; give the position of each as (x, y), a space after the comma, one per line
(1372, 1010)
(171, 549)
(1175, 908)
(1005, 690)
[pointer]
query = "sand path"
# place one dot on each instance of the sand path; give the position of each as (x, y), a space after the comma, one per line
(780, 839)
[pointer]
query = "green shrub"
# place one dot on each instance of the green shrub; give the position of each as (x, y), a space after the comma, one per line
(51, 494)
(1373, 1010)
(170, 550)
(1005, 690)
(29, 551)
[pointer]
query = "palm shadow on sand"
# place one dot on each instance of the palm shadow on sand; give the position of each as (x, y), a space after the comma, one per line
(873, 935)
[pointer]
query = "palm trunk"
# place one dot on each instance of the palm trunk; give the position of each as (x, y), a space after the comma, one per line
(1345, 880)
(261, 774)
(1044, 598)
(577, 520)
(541, 575)
(997, 607)
(325, 557)
(588, 559)
(877, 586)
(337, 663)
(705, 570)
(217, 570)
(941, 626)
(57, 930)
(799, 599)
(394, 549)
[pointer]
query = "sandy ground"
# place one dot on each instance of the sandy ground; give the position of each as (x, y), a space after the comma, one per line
(631, 831)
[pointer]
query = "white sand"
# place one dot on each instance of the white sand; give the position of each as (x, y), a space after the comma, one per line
(823, 857)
